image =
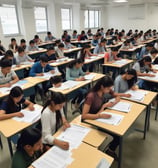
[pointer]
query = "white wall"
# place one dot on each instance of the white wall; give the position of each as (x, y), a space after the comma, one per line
(118, 17)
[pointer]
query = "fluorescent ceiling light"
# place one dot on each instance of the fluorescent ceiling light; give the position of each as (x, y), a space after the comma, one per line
(120, 1)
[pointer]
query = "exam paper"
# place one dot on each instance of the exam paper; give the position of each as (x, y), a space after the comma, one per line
(121, 106)
(136, 95)
(30, 116)
(68, 84)
(89, 76)
(114, 120)
(120, 62)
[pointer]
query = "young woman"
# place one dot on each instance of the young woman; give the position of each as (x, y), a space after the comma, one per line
(95, 103)
(29, 148)
(52, 118)
(142, 68)
(12, 105)
(75, 72)
(125, 81)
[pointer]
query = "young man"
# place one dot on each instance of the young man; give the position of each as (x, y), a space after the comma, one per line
(21, 57)
(32, 46)
(7, 76)
(100, 48)
(49, 37)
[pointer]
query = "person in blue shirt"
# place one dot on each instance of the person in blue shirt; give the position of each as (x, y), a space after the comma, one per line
(50, 54)
(95, 40)
(49, 37)
(100, 48)
(145, 50)
(38, 69)
(41, 67)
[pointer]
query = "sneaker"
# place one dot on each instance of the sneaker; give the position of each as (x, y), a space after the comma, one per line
(112, 154)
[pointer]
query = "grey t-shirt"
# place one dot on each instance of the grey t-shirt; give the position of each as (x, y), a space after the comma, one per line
(120, 85)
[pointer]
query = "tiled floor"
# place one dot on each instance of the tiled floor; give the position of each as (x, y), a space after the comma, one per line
(137, 153)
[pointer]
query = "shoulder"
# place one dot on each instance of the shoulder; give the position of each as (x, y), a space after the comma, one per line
(18, 160)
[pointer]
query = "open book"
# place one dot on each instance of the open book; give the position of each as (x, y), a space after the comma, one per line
(136, 95)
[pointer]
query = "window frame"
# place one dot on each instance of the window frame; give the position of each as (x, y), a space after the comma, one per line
(94, 10)
(46, 11)
(18, 23)
(70, 17)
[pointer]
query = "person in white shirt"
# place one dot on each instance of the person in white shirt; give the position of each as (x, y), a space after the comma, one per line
(52, 119)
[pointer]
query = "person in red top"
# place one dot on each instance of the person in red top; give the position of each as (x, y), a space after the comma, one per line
(82, 36)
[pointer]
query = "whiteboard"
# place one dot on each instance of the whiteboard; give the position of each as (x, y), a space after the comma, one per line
(136, 12)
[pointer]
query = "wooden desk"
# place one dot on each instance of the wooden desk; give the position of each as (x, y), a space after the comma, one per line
(59, 63)
(88, 157)
(67, 51)
(34, 54)
(150, 40)
(118, 66)
(150, 79)
(11, 127)
(115, 45)
(133, 49)
(149, 97)
(121, 129)
(47, 44)
(26, 86)
(94, 59)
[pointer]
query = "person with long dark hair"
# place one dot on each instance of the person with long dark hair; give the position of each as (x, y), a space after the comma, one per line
(12, 105)
(29, 148)
(126, 81)
(52, 119)
(95, 103)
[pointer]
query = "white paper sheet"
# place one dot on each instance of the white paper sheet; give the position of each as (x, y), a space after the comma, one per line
(74, 135)
(54, 158)
(30, 116)
(136, 95)
(20, 83)
(114, 120)
(120, 62)
(89, 76)
(68, 84)
(121, 106)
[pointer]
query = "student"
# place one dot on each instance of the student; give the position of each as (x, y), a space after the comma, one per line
(129, 34)
(41, 67)
(82, 36)
(89, 33)
(75, 72)
(10, 56)
(60, 51)
(67, 44)
(102, 32)
(52, 119)
(142, 67)
(74, 35)
(95, 104)
(145, 50)
(100, 48)
(95, 40)
(21, 57)
(23, 44)
(85, 52)
(29, 148)
(56, 81)
(57, 42)
(13, 45)
(111, 56)
(7, 76)
(12, 105)
(153, 53)
(50, 54)
(65, 36)
(49, 37)
(127, 44)
(135, 40)
(156, 45)
(37, 40)
(32, 46)
(111, 31)
(125, 81)
(2, 49)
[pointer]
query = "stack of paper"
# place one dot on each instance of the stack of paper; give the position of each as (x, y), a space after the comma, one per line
(54, 158)
(89, 76)
(114, 120)
(121, 106)
(74, 135)
(136, 94)
(120, 62)
(68, 84)
(20, 83)
(30, 116)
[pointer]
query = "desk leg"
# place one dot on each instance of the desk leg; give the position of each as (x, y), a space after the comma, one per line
(146, 121)
(10, 147)
(120, 151)
(1, 142)
(156, 111)
(148, 125)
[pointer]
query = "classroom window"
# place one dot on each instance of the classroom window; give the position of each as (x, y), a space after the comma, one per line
(66, 18)
(91, 18)
(41, 19)
(9, 21)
